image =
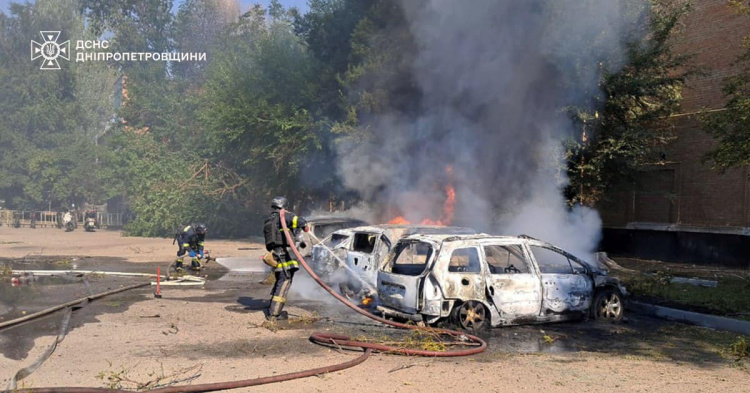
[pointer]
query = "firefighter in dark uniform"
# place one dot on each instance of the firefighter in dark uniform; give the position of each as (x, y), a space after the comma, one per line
(190, 240)
(278, 245)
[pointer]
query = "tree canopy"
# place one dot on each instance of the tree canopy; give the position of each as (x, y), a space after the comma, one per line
(269, 110)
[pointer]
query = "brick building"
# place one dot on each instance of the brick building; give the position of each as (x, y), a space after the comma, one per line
(684, 210)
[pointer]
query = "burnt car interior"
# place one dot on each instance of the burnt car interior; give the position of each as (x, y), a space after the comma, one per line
(551, 262)
(505, 259)
(323, 230)
(465, 260)
(364, 242)
(336, 239)
(410, 258)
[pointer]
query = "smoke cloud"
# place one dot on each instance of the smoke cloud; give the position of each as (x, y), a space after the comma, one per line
(494, 78)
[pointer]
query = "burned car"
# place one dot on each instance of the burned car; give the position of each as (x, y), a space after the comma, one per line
(361, 250)
(477, 281)
(322, 226)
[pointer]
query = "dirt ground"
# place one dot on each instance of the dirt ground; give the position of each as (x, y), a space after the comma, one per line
(218, 333)
(26, 242)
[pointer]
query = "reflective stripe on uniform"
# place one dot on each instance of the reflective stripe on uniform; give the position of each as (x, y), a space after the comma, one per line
(186, 244)
(281, 266)
(290, 263)
(200, 244)
(186, 228)
(294, 222)
(278, 299)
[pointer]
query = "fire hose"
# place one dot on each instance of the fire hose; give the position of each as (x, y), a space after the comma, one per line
(317, 337)
(326, 338)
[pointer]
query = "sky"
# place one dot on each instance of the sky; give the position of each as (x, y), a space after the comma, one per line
(246, 4)
(300, 4)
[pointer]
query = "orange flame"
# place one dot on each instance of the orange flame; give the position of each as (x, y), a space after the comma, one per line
(400, 220)
(448, 206)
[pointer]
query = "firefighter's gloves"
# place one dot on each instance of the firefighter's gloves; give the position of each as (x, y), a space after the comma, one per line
(191, 253)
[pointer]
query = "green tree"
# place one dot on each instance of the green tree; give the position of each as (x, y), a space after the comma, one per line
(167, 189)
(257, 92)
(631, 128)
(731, 126)
(51, 119)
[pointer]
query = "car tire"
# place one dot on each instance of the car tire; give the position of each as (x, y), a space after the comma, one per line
(470, 316)
(608, 306)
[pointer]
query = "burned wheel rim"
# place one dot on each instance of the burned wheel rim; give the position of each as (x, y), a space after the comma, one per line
(609, 306)
(471, 315)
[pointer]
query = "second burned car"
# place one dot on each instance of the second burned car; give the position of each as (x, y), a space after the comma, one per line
(477, 281)
(352, 256)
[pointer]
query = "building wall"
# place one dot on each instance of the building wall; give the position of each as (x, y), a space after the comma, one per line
(685, 191)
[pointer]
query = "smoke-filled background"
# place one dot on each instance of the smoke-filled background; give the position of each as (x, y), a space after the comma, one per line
(494, 79)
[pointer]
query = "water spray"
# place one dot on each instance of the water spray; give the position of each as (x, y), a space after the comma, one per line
(342, 263)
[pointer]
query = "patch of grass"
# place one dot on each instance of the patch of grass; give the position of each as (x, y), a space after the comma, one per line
(739, 348)
(731, 297)
(66, 263)
(425, 340)
(688, 342)
(6, 270)
(113, 379)
(307, 319)
(119, 378)
(271, 325)
(416, 339)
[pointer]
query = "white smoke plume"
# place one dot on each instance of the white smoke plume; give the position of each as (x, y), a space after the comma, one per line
(494, 77)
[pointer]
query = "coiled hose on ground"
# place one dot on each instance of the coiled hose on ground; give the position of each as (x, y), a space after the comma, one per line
(318, 337)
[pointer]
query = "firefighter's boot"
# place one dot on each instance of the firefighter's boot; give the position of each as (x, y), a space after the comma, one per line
(178, 265)
(195, 264)
(283, 316)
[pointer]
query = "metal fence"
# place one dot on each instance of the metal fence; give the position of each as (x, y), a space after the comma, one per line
(53, 219)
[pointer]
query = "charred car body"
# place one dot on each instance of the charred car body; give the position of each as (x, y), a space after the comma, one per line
(363, 250)
(476, 281)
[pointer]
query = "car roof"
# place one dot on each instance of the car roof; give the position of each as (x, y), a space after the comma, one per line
(398, 231)
(442, 237)
(330, 219)
(413, 229)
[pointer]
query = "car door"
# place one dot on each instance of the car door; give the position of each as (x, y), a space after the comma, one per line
(463, 275)
(361, 255)
(400, 279)
(565, 286)
(513, 285)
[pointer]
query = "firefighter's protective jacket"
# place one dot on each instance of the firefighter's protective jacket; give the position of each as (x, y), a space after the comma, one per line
(189, 238)
(294, 224)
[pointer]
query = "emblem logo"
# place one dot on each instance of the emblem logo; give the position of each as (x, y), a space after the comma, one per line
(50, 50)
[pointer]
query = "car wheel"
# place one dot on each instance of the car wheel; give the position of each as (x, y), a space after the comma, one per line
(608, 306)
(471, 316)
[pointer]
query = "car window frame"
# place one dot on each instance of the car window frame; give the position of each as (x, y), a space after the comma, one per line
(389, 261)
(530, 269)
(555, 250)
(479, 255)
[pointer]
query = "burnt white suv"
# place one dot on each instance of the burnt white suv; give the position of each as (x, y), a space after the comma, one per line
(477, 281)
